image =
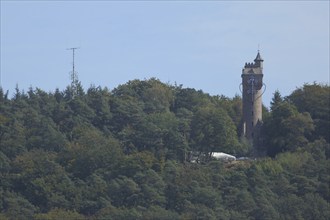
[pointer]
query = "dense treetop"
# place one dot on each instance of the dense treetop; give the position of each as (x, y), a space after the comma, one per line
(124, 154)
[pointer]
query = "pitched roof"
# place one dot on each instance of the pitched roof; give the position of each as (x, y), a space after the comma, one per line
(258, 58)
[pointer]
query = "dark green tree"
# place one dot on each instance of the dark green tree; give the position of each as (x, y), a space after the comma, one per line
(213, 130)
(314, 99)
(295, 128)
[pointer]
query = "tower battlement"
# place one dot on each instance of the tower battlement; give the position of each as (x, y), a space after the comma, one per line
(251, 65)
(254, 67)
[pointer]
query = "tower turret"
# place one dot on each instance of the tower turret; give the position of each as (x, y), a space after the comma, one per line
(258, 60)
(252, 76)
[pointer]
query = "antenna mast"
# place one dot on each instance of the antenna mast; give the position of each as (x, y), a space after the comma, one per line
(74, 75)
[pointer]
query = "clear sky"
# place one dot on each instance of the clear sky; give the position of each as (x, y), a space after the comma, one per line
(199, 44)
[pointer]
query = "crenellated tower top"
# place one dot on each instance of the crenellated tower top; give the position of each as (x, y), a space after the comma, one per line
(254, 67)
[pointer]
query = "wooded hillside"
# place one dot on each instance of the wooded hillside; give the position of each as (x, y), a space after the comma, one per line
(122, 154)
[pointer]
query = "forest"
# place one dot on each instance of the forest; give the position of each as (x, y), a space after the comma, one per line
(123, 154)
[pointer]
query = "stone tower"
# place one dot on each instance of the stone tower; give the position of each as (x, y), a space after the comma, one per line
(252, 98)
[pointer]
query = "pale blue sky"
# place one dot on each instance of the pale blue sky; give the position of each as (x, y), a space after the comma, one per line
(200, 44)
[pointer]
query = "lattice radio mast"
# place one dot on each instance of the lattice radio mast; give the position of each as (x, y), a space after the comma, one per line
(74, 75)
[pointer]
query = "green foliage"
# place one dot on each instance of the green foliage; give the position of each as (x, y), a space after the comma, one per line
(295, 128)
(59, 214)
(213, 130)
(40, 179)
(314, 99)
(16, 207)
(90, 150)
(99, 99)
(122, 154)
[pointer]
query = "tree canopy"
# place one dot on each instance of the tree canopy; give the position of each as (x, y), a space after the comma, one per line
(123, 154)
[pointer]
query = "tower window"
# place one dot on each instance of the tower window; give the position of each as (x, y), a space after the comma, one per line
(252, 113)
(252, 124)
